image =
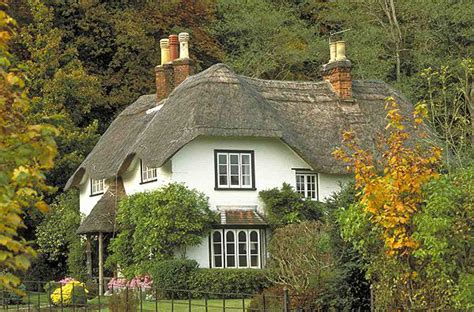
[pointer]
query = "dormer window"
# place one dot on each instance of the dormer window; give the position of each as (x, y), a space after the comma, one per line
(149, 174)
(97, 186)
(234, 170)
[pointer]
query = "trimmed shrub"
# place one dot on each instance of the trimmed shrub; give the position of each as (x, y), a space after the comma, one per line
(228, 281)
(175, 274)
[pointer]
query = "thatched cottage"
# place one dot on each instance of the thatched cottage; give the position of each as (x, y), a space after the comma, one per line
(229, 136)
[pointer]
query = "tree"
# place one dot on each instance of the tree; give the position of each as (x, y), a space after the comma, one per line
(381, 225)
(56, 234)
(63, 93)
(27, 151)
(154, 225)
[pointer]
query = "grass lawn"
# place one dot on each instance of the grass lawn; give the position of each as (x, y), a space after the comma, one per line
(197, 305)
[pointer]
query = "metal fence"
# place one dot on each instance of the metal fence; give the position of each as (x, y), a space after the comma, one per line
(51, 296)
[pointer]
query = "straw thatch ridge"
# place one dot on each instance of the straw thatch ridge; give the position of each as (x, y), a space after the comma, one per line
(308, 116)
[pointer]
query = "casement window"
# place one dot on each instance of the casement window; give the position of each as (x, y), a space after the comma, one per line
(234, 170)
(307, 185)
(97, 186)
(235, 248)
(148, 174)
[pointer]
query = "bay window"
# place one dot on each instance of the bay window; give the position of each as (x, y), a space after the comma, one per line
(241, 248)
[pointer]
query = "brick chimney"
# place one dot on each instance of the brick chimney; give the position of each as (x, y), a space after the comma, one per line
(173, 70)
(184, 66)
(338, 70)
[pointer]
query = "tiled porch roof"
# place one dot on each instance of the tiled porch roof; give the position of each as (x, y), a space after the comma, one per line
(241, 217)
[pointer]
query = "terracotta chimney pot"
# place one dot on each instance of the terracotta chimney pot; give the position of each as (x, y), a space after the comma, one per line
(173, 45)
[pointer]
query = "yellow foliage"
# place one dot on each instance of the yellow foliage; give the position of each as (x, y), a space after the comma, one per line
(27, 150)
(391, 184)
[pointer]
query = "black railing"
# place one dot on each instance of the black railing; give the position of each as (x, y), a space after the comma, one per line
(52, 296)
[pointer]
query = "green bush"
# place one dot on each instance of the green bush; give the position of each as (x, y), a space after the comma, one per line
(173, 274)
(216, 281)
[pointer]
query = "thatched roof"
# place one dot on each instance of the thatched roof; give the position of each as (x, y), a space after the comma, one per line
(308, 116)
(102, 217)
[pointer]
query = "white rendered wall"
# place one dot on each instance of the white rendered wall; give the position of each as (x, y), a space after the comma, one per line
(86, 201)
(132, 178)
(330, 183)
(274, 164)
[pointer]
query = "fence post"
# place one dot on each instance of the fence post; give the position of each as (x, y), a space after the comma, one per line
(189, 301)
(264, 302)
(98, 296)
(156, 299)
(141, 301)
(49, 296)
(205, 301)
(172, 301)
(223, 303)
(372, 309)
(286, 300)
(243, 304)
(126, 298)
(61, 294)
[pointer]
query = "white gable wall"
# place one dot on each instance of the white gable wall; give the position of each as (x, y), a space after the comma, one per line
(86, 201)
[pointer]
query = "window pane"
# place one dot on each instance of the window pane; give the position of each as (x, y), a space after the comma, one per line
(246, 169)
(222, 169)
(218, 261)
(234, 169)
(222, 180)
(216, 237)
(230, 261)
(243, 261)
(254, 261)
(234, 180)
(254, 236)
(245, 159)
(222, 159)
(234, 159)
(229, 236)
(242, 236)
(246, 180)
(217, 249)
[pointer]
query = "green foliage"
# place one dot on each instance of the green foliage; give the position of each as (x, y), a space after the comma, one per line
(440, 269)
(57, 231)
(266, 40)
(285, 206)
(216, 281)
(173, 274)
(152, 225)
(124, 300)
(76, 259)
(302, 259)
(270, 299)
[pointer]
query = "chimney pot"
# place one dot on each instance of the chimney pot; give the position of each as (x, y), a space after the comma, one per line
(165, 51)
(340, 50)
(332, 50)
(173, 45)
(183, 45)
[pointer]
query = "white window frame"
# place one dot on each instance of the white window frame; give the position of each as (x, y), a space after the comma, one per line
(224, 255)
(305, 190)
(97, 186)
(228, 155)
(148, 174)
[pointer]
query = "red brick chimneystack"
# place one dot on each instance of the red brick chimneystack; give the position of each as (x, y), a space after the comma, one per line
(338, 71)
(173, 70)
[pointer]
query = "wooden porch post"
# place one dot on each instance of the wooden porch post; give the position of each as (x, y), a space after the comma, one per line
(101, 263)
(89, 255)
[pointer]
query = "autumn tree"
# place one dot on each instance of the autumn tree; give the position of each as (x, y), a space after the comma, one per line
(27, 151)
(390, 183)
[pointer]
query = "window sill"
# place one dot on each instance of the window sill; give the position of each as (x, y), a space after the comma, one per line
(149, 181)
(96, 194)
(234, 189)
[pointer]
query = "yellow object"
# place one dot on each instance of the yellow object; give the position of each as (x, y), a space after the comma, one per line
(66, 292)
(165, 51)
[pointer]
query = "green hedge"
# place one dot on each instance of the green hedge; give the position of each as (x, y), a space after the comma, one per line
(245, 281)
(185, 275)
(173, 274)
